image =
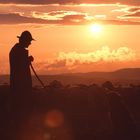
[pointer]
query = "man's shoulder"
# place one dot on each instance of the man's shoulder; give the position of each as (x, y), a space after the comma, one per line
(18, 51)
(17, 48)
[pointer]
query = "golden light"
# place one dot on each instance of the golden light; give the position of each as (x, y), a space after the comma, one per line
(96, 28)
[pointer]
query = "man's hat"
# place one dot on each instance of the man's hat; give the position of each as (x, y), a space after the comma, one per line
(26, 35)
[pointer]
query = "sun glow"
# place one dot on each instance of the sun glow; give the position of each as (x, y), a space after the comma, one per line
(96, 28)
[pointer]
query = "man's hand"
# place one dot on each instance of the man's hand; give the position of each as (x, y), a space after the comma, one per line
(31, 59)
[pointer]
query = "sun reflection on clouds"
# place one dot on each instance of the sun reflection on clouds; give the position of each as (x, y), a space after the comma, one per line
(102, 59)
(105, 53)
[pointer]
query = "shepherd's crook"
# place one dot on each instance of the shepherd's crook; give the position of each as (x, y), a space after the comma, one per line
(37, 76)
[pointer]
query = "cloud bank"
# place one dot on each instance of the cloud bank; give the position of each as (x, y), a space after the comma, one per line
(59, 18)
(99, 60)
(126, 2)
(136, 14)
(129, 12)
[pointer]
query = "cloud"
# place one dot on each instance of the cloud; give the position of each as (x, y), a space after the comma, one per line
(136, 14)
(134, 9)
(104, 54)
(102, 59)
(127, 2)
(15, 18)
(57, 64)
(128, 12)
(127, 9)
(61, 15)
(132, 12)
(118, 22)
(79, 19)
(64, 19)
(65, 15)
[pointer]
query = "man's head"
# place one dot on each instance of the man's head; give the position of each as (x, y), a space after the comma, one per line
(25, 39)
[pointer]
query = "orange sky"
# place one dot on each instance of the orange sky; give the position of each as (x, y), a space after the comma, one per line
(64, 40)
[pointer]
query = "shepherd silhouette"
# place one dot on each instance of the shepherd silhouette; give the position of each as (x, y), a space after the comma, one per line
(20, 74)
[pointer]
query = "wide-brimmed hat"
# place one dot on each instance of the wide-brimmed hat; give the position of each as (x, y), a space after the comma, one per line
(26, 35)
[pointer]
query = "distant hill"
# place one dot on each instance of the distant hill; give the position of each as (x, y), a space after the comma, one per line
(127, 73)
(122, 76)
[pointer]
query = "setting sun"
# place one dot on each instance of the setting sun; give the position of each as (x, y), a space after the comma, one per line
(96, 28)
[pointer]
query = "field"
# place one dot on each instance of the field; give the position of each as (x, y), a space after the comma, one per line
(81, 112)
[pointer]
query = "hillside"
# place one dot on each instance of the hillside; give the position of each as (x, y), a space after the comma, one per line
(122, 76)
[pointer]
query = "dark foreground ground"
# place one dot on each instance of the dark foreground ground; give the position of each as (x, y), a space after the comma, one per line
(71, 113)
